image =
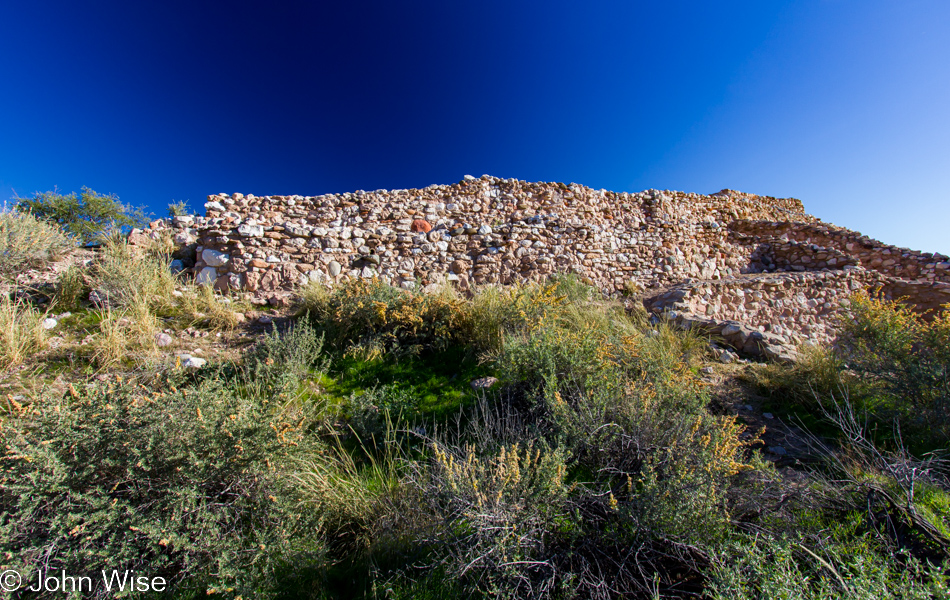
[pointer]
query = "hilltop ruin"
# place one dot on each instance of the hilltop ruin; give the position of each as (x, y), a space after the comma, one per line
(757, 270)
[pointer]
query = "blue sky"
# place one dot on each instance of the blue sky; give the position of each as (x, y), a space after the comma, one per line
(844, 104)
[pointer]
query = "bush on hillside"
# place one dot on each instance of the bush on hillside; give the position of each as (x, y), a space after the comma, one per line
(371, 318)
(889, 364)
(908, 356)
(88, 217)
(191, 479)
(26, 241)
(769, 567)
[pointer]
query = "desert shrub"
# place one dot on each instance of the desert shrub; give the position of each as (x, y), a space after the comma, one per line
(21, 331)
(766, 567)
(500, 311)
(187, 482)
(909, 358)
(888, 363)
(194, 478)
(280, 361)
(370, 318)
(501, 511)
(26, 241)
(626, 409)
(87, 217)
(179, 208)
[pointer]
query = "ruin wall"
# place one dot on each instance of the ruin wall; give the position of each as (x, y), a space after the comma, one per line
(489, 230)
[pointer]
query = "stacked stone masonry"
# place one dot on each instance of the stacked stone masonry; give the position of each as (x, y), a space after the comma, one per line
(756, 260)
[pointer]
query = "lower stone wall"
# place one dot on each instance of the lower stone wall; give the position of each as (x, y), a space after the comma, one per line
(860, 249)
(788, 308)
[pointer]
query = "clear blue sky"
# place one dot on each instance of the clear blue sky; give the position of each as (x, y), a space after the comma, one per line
(844, 104)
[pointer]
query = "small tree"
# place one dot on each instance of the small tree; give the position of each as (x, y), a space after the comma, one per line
(88, 217)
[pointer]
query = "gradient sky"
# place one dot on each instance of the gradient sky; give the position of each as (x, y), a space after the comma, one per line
(844, 104)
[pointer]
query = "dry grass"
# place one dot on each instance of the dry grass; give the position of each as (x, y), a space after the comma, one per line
(124, 335)
(128, 276)
(203, 308)
(21, 331)
(26, 241)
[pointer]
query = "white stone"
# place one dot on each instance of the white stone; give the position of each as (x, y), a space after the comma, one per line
(191, 362)
(213, 258)
(249, 230)
(50, 323)
(207, 275)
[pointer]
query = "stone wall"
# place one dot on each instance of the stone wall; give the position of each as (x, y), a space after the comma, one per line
(476, 231)
(772, 313)
(862, 250)
(725, 257)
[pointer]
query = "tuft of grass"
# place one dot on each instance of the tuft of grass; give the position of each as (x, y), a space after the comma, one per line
(124, 336)
(21, 331)
(126, 276)
(201, 307)
(26, 241)
(71, 288)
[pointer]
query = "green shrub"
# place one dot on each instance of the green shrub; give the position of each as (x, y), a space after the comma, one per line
(26, 241)
(178, 209)
(88, 217)
(370, 318)
(371, 412)
(764, 568)
(909, 360)
(888, 363)
(194, 481)
(501, 512)
(278, 364)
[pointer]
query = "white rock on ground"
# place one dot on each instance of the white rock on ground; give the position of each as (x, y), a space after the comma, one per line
(191, 362)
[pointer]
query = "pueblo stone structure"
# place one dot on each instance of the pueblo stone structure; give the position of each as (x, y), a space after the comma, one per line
(756, 270)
